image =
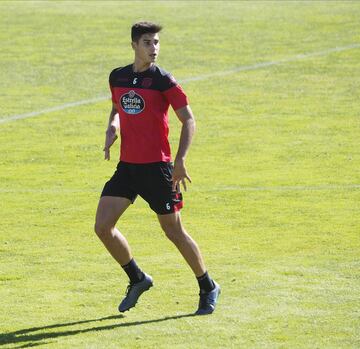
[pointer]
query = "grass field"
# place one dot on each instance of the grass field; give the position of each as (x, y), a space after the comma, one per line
(275, 198)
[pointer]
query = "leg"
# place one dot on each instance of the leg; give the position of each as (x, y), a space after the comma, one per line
(171, 224)
(109, 210)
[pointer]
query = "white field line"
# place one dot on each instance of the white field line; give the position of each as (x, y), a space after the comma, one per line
(320, 187)
(269, 64)
(186, 80)
(52, 109)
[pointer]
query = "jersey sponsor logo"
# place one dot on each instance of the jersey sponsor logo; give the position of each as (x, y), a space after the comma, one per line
(132, 103)
(146, 83)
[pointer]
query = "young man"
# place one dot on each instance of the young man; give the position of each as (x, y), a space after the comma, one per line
(141, 95)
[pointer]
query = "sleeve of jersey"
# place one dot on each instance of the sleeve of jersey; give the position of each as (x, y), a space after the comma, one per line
(176, 97)
(112, 94)
(111, 89)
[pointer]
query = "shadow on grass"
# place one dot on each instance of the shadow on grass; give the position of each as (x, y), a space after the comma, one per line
(29, 338)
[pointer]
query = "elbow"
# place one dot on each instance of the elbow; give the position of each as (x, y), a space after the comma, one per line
(193, 124)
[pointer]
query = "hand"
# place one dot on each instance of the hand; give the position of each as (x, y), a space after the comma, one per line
(179, 175)
(110, 138)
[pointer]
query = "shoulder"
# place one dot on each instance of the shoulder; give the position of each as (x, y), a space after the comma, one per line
(165, 79)
(118, 73)
(165, 75)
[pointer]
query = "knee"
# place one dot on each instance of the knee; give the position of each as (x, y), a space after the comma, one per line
(102, 229)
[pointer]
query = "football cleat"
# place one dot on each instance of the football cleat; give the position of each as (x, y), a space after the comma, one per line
(134, 291)
(208, 300)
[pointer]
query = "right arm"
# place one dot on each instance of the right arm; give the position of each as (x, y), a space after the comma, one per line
(111, 132)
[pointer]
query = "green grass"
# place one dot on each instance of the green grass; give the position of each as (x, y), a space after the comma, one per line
(274, 203)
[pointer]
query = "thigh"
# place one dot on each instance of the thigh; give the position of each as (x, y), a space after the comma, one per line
(110, 209)
(170, 222)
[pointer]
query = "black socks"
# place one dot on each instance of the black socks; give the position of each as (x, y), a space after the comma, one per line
(136, 275)
(205, 283)
(133, 272)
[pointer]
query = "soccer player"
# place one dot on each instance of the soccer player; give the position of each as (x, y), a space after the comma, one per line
(141, 95)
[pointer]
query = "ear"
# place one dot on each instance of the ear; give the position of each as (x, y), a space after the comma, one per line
(133, 45)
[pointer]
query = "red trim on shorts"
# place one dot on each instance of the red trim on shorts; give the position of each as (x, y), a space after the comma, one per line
(180, 204)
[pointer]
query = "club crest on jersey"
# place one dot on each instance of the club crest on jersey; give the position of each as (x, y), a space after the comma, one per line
(132, 103)
(146, 83)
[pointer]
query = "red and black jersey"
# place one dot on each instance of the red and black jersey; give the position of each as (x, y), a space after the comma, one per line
(142, 100)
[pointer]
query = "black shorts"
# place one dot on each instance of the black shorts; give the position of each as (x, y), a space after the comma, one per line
(153, 182)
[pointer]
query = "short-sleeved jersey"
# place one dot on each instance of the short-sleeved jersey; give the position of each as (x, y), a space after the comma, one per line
(142, 100)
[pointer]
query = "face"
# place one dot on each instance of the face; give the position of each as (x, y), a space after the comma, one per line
(147, 48)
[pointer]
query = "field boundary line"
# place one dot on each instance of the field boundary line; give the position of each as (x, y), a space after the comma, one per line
(52, 109)
(187, 80)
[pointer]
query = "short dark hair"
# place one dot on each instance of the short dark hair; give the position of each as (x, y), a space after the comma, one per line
(141, 28)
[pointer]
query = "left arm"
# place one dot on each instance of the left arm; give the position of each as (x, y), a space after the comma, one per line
(186, 117)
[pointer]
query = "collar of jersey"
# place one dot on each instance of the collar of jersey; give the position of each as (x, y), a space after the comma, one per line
(150, 70)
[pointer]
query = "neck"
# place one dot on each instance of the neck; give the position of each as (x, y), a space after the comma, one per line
(140, 66)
